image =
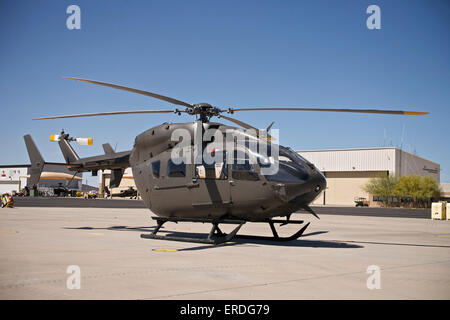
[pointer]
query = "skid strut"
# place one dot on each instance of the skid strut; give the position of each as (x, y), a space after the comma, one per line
(216, 236)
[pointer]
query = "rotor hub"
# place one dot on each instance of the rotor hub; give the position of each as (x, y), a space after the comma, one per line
(204, 110)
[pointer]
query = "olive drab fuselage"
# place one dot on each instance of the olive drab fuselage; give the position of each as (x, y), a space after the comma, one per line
(183, 191)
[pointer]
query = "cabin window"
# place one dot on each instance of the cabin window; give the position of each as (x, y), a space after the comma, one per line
(176, 170)
(217, 170)
(155, 168)
(241, 168)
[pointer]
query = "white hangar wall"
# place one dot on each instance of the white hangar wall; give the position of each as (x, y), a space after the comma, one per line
(352, 159)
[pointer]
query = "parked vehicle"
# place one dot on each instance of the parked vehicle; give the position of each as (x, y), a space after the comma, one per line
(361, 202)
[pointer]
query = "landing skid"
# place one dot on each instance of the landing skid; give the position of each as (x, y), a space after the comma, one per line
(216, 236)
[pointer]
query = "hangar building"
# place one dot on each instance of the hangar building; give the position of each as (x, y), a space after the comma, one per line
(348, 170)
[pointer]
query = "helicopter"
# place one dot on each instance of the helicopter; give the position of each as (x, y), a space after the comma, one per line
(208, 179)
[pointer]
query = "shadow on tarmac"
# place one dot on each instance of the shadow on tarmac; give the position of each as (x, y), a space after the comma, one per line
(293, 243)
(114, 228)
(236, 241)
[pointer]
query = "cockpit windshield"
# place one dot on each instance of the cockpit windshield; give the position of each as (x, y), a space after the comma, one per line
(291, 167)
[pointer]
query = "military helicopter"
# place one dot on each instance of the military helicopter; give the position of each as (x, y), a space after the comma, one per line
(218, 191)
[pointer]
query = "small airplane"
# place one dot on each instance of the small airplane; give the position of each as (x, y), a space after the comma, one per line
(221, 191)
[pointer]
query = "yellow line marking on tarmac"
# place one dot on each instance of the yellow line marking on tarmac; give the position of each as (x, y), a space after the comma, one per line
(165, 250)
(8, 231)
(444, 235)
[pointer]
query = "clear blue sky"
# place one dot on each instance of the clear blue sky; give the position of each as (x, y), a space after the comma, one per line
(228, 53)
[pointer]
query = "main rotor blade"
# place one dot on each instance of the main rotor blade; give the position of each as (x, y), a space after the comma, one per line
(109, 114)
(146, 93)
(245, 125)
(238, 122)
(401, 112)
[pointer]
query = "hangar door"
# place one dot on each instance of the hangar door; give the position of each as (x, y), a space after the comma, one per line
(343, 187)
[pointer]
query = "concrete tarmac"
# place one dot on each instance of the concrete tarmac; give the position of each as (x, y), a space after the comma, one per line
(37, 245)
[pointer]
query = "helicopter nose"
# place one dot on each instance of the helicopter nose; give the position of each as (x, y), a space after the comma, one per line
(313, 186)
(305, 191)
(318, 181)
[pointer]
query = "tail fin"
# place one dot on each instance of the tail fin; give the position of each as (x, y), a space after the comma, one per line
(36, 159)
(108, 149)
(69, 154)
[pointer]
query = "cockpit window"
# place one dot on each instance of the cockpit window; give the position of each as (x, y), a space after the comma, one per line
(263, 156)
(155, 168)
(289, 155)
(242, 169)
(263, 160)
(176, 170)
(291, 167)
(296, 155)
